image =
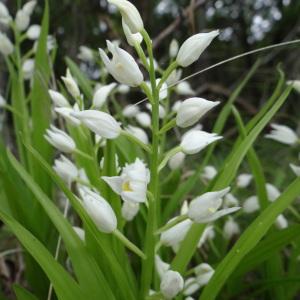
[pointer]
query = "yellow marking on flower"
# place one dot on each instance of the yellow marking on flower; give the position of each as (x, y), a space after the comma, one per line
(126, 187)
(212, 209)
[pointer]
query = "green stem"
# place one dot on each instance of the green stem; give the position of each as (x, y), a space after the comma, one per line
(172, 223)
(171, 124)
(119, 235)
(142, 55)
(168, 155)
(147, 91)
(136, 141)
(82, 154)
(167, 73)
(153, 209)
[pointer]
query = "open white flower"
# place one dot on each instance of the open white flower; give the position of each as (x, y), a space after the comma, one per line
(60, 140)
(283, 134)
(122, 66)
(71, 84)
(58, 99)
(131, 185)
(196, 140)
(99, 122)
(193, 47)
(101, 94)
(99, 210)
(130, 15)
(6, 46)
(132, 38)
(206, 208)
(192, 110)
(65, 169)
(171, 284)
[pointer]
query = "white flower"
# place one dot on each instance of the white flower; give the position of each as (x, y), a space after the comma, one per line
(196, 140)
(123, 88)
(209, 172)
(174, 235)
(99, 122)
(296, 169)
(208, 234)
(99, 210)
(173, 48)
(66, 113)
(174, 77)
(122, 66)
(205, 208)
(184, 208)
(203, 273)
(190, 286)
(58, 99)
(5, 17)
(161, 266)
(129, 210)
(60, 140)
(139, 133)
(101, 95)
(33, 32)
(28, 68)
(192, 110)
(281, 222)
(295, 84)
(272, 192)
(143, 119)
(184, 88)
(2, 101)
(171, 284)
(251, 204)
(130, 15)
(86, 54)
(80, 232)
(230, 200)
(130, 110)
(161, 110)
(230, 229)
(131, 185)
(6, 46)
(71, 84)
(193, 47)
(243, 180)
(65, 169)
(176, 161)
(282, 134)
(29, 7)
(22, 20)
(132, 38)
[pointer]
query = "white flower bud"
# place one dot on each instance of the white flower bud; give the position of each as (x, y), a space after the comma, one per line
(101, 95)
(161, 110)
(204, 273)
(190, 286)
(295, 84)
(139, 133)
(193, 47)
(122, 66)
(173, 49)
(130, 15)
(272, 192)
(282, 134)
(281, 222)
(161, 266)
(208, 234)
(5, 17)
(243, 180)
(22, 20)
(129, 210)
(230, 200)
(2, 101)
(192, 110)
(80, 232)
(131, 185)
(71, 84)
(65, 169)
(132, 38)
(196, 140)
(86, 54)
(58, 99)
(184, 88)
(205, 208)
(29, 7)
(99, 122)
(33, 32)
(209, 172)
(184, 208)
(176, 161)
(251, 205)
(66, 113)
(230, 229)
(176, 106)
(123, 88)
(130, 111)
(6, 46)
(60, 140)
(171, 284)
(28, 68)
(100, 211)
(295, 169)
(143, 119)
(174, 77)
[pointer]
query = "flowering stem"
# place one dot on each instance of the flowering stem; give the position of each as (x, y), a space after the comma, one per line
(167, 73)
(142, 55)
(82, 154)
(168, 155)
(147, 91)
(172, 223)
(118, 234)
(136, 141)
(168, 126)
(150, 239)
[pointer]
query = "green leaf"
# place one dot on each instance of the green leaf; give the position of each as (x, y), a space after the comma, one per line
(23, 294)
